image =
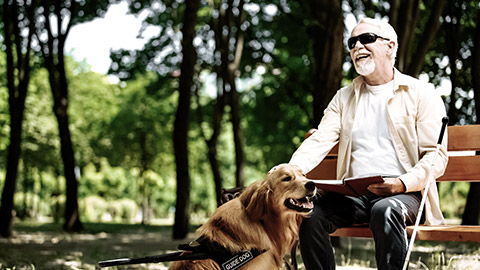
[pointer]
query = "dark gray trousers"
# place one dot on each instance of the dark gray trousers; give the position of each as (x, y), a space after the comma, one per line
(387, 218)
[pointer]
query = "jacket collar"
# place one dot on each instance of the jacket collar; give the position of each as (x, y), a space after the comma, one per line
(399, 81)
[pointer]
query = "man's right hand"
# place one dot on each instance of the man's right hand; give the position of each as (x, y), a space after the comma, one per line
(390, 187)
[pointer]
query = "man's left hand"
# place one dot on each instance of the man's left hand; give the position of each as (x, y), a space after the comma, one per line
(391, 186)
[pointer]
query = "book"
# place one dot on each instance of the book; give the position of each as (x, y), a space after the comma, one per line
(355, 187)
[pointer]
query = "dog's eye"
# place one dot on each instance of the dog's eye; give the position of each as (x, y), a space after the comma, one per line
(286, 179)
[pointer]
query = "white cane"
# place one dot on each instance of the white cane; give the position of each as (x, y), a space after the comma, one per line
(425, 192)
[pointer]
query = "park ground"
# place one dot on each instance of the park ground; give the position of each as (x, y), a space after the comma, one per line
(45, 246)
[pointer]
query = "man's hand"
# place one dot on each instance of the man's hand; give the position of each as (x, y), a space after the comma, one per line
(391, 186)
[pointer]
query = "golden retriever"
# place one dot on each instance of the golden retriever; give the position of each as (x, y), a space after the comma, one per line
(265, 217)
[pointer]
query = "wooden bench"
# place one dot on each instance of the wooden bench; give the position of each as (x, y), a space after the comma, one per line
(462, 167)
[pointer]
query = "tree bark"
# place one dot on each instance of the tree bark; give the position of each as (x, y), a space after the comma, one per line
(404, 17)
(327, 35)
(142, 180)
(229, 69)
(471, 214)
(452, 31)
(431, 29)
(72, 221)
(18, 77)
(182, 118)
(212, 158)
(212, 142)
(227, 93)
(53, 52)
(237, 134)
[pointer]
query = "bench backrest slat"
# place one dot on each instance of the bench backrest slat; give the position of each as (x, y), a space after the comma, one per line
(464, 138)
(463, 168)
(326, 170)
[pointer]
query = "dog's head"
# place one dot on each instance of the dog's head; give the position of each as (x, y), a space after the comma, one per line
(284, 190)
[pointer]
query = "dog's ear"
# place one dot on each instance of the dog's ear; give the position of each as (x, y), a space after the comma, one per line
(256, 199)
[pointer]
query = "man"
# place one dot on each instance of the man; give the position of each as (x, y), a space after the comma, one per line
(385, 123)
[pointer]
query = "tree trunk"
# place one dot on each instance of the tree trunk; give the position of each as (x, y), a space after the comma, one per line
(229, 69)
(452, 43)
(218, 111)
(227, 92)
(471, 214)
(72, 221)
(212, 142)
(142, 180)
(327, 36)
(180, 133)
(237, 134)
(404, 17)
(53, 52)
(13, 156)
(18, 76)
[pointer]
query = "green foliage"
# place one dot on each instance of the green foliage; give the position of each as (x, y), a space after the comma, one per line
(123, 210)
(455, 40)
(96, 209)
(122, 134)
(31, 203)
(40, 142)
(4, 113)
(93, 103)
(161, 53)
(453, 197)
(102, 181)
(139, 123)
(93, 208)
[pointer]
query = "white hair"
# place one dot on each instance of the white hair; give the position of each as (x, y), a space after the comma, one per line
(386, 31)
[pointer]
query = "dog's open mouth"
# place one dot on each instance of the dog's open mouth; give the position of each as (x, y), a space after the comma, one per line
(304, 204)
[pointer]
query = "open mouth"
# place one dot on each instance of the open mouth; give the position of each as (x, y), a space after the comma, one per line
(362, 56)
(304, 204)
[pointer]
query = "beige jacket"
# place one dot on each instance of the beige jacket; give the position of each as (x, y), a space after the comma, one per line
(414, 119)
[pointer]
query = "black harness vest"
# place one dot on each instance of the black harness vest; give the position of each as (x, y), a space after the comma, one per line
(225, 258)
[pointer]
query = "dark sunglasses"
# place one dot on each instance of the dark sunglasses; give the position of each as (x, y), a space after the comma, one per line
(365, 38)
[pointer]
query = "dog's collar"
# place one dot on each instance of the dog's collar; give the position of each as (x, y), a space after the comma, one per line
(221, 255)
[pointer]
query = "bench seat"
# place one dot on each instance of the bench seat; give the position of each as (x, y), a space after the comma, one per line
(458, 233)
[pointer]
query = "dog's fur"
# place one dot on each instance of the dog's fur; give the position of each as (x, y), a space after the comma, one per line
(266, 216)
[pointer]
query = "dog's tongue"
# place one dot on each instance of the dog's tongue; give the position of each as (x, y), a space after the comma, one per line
(302, 203)
(308, 205)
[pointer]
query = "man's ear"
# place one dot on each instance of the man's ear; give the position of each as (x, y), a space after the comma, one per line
(391, 47)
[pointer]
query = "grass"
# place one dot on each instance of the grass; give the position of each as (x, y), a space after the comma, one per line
(45, 246)
(358, 253)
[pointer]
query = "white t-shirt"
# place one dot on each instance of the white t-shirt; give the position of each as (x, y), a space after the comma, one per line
(373, 152)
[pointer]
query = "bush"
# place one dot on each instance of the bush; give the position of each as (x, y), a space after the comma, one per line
(93, 208)
(453, 198)
(123, 210)
(30, 205)
(97, 209)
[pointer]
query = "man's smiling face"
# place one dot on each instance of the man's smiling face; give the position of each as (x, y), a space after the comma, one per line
(368, 58)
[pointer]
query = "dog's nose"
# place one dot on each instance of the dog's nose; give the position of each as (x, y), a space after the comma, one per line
(310, 185)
